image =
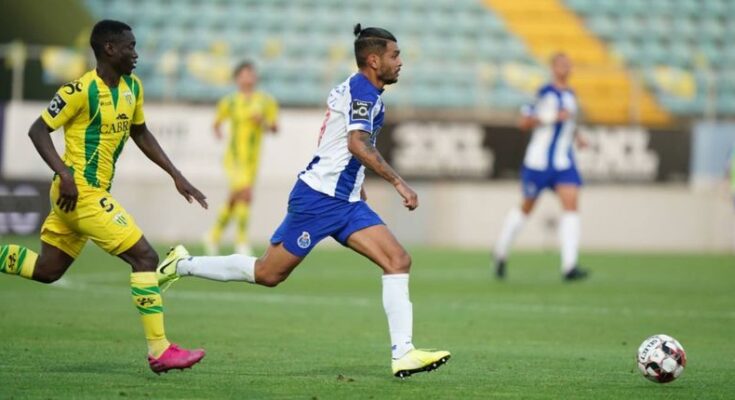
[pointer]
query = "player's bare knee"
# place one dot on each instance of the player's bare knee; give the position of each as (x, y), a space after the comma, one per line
(46, 275)
(400, 263)
(146, 261)
(269, 280)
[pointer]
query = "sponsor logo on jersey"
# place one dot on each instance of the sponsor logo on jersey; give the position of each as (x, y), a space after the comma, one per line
(361, 110)
(304, 241)
(115, 127)
(122, 116)
(57, 104)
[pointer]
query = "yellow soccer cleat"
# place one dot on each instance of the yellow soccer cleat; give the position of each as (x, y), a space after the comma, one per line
(419, 361)
(166, 270)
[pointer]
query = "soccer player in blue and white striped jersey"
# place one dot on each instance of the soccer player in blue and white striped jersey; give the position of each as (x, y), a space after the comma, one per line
(328, 200)
(549, 163)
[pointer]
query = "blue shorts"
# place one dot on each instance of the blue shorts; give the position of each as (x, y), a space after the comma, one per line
(313, 215)
(535, 181)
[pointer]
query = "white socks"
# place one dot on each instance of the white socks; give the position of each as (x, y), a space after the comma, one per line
(399, 310)
(569, 236)
(236, 267)
(513, 223)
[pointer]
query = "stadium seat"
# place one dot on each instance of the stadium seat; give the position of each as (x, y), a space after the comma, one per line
(316, 35)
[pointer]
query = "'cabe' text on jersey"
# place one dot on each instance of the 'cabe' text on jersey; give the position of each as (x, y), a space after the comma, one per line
(96, 120)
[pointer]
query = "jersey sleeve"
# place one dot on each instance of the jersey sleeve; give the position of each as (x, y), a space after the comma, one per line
(138, 92)
(270, 111)
(65, 104)
(547, 108)
(360, 112)
(223, 110)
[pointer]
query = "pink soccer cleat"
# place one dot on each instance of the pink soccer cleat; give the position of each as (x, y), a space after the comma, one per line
(175, 358)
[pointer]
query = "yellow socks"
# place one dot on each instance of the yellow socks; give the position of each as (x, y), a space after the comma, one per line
(147, 298)
(17, 260)
(223, 218)
(242, 213)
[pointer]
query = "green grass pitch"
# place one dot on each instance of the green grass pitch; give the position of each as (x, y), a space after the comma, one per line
(323, 334)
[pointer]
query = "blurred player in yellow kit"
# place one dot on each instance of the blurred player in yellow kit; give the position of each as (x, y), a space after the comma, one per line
(99, 112)
(249, 112)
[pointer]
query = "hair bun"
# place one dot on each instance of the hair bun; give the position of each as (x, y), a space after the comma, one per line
(358, 29)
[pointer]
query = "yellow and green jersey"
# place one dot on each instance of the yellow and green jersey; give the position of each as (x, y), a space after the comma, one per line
(96, 120)
(248, 117)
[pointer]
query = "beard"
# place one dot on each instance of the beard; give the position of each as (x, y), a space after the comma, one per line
(388, 78)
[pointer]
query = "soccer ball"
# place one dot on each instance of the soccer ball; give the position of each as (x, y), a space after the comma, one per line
(661, 358)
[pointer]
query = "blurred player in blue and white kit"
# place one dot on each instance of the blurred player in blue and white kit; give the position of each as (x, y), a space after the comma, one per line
(549, 164)
(328, 200)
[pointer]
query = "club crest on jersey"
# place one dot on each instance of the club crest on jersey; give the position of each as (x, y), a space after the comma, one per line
(120, 219)
(57, 104)
(531, 189)
(128, 97)
(361, 110)
(304, 241)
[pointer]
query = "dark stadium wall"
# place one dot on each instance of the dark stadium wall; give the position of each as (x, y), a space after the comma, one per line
(473, 151)
(24, 203)
(41, 22)
(46, 22)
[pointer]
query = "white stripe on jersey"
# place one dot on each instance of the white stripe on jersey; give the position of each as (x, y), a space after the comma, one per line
(552, 141)
(355, 104)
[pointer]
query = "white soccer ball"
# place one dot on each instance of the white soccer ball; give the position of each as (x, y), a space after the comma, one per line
(661, 358)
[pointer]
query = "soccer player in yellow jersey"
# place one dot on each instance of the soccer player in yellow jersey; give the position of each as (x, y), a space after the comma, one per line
(99, 112)
(249, 113)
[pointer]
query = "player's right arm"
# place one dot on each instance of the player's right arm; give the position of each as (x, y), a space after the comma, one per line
(64, 106)
(41, 138)
(361, 146)
(223, 112)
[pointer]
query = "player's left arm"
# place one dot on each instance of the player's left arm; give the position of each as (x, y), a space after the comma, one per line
(271, 115)
(361, 146)
(147, 143)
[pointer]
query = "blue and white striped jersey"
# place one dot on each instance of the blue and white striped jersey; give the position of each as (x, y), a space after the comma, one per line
(551, 144)
(355, 104)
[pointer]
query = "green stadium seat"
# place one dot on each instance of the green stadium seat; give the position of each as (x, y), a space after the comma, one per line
(633, 7)
(581, 6)
(684, 28)
(679, 54)
(626, 49)
(685, 7)
(713, 8)
(726, 103)
(603, 25)
(631, 27)
(450, 47)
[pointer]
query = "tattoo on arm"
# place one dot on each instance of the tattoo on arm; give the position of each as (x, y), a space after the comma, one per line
(362, 147)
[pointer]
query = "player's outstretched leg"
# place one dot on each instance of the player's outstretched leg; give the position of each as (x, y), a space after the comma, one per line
(269, 270)
(162, 355)
(47, 267)
(379, 245)
(17, 260)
